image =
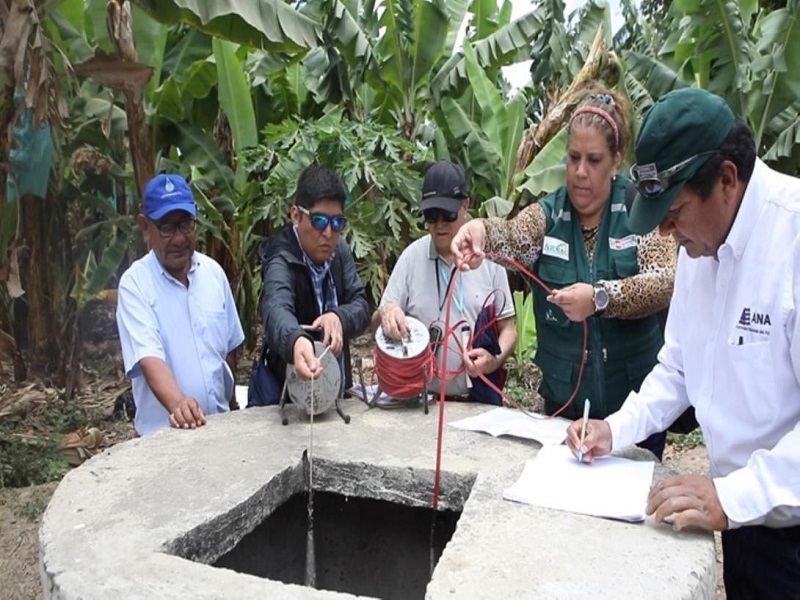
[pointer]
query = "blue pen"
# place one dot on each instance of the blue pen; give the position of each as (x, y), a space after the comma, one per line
(583, 428)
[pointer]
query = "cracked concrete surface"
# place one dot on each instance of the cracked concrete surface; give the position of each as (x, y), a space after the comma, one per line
(146, 518)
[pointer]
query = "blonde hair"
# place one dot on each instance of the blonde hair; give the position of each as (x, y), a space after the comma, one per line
(606, 111)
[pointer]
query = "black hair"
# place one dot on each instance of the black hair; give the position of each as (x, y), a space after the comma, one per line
(739, 148)
(317, 183)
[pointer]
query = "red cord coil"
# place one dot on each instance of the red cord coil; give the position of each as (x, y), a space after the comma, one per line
(404, 378)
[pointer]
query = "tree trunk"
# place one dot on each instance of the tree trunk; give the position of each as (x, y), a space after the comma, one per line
(120, 30)
(35, 236)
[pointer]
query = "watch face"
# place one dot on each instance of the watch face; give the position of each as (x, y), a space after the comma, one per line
(600, 298)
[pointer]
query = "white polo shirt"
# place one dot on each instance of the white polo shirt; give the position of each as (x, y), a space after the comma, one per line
(418, 285)
(192, 329)
(733, 352)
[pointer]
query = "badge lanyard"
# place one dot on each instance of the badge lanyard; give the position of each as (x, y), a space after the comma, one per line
(458, 296)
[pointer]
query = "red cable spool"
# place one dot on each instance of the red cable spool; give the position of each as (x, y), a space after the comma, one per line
(404, 367)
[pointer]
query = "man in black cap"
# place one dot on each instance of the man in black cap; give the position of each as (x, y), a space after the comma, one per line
(420, 282)
(732, 341)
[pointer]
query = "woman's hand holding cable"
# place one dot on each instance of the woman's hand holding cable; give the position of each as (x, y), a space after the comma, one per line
(576, 300)
(467, 245)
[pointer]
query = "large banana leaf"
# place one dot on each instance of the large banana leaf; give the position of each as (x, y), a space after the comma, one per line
(546, 173)
(656, 77)
(505, 46)
(778, 44)
(502, 123)
(482, 159)
(192, 47)
(413, 41)
(234, 95)
(269, 24)
(151, 42)
(713, 37)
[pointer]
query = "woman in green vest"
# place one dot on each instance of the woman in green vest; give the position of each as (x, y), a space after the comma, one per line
(577, 241)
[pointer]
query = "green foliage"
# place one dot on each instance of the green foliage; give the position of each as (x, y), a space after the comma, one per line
(269, 24)
(686, 441)
(374, 163)
(527, 340)
(32, 459)
(34, 506)
(29, 461)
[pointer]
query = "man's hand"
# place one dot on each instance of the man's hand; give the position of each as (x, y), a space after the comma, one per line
(332, 333)
(596, 443)
(576, 300)
(393, 321)
(305, 359)
(187, 414)
(467, 245)
(480, 360)
(687, 501)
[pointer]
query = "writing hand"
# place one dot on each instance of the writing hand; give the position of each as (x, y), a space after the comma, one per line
(596, 443)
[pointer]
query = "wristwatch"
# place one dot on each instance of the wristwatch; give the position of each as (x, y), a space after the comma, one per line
(600, 299)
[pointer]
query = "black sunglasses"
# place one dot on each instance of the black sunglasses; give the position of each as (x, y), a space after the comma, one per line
(434, 214)
(167, 230)
(320, 221)
(650, 182)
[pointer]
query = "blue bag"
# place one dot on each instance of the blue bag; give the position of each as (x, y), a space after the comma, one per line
(486, 337)
(263, 388)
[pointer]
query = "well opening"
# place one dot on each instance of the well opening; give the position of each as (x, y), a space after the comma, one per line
(363, 546)
(372, 529)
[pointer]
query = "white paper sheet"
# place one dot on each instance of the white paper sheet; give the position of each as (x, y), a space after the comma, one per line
(241, 395)
(510, 421)
(611, 487)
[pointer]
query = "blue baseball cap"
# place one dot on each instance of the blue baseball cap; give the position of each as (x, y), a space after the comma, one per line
(166, 193)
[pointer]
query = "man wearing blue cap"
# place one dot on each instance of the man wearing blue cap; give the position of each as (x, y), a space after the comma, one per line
(177, 320)
(732, 341)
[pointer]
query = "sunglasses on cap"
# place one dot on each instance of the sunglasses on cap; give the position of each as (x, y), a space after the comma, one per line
(650, 182)
(432, 215)
(320, 220)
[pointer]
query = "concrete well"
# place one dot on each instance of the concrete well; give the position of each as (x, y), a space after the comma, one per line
(221, 513)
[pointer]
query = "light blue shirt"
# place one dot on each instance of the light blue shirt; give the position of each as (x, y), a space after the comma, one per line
(192, 329)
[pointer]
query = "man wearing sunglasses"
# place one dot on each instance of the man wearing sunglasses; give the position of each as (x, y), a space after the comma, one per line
(421, 280)
(732, 341)
(310, 280)
(178, 324)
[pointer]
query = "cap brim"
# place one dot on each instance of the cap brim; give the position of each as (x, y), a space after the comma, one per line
(443, 203)
(647, 213)
(188, 207)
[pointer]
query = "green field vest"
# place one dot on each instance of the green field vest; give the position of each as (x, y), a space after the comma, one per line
(621, 352)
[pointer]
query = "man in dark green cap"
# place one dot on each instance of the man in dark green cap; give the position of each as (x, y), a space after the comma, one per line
(732, 346)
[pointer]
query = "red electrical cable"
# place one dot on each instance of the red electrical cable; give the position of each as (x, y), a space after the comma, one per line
(449, 331)
(406, 377)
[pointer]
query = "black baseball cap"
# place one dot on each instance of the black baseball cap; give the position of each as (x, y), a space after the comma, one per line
(444, 187)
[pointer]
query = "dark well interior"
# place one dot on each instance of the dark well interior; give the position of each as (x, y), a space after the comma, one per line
(363, 546)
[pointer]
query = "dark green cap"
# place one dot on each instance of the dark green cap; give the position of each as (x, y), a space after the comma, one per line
(682, 124)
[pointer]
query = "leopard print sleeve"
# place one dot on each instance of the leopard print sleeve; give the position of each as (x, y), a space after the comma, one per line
(519, 238)
(649, 290)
